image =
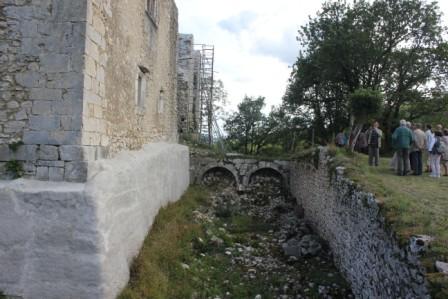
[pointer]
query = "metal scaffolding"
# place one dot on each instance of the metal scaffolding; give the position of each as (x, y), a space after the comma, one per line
(206, 82)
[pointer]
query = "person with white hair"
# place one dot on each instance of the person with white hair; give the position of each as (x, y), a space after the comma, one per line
(429, 140)
(402, 140)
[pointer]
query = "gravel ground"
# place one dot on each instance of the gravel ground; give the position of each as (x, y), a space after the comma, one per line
(260, 235)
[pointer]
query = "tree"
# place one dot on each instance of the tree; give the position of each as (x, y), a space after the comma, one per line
(393, 46)
(248, 129)
(365, 104)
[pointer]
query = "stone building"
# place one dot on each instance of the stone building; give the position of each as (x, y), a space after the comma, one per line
(188, 76)
(83, 80)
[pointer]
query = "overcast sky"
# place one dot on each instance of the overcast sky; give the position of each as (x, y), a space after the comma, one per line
(255, 41)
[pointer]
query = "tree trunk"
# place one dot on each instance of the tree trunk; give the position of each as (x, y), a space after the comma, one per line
(356, 134)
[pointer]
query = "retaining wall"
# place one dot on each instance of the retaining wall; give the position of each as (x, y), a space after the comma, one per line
(365, 249)
(77, 240)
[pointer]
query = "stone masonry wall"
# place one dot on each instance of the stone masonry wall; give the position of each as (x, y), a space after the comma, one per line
(364, 248)
(122, 39)
(77, 240)
(188, 68)
(41, 63)
(240, 167)
(68, 86)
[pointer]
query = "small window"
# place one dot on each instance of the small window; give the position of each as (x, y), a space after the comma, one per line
(140, 96)
(161, 103)
(152, 9)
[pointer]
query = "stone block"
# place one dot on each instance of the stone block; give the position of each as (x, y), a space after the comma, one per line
(71, 153)
(45, 94)
(26, 153)
(90, 66)
(12, 105)
(40, 122)
(14, 126)
(71, 123)
(76, 171)
(65, 138)
(74, 96)
(42, 173)
(41, 107)
(30, 46)
(48, 152)
(21, 115)
(30, 79)
(92, 50)
(50, 163)
(56, 174)
(36, 137)
(70, 11)
(5, 153)
(67, 108)
(65, 80)
(29, 169)
(55, 63)
(3, 116)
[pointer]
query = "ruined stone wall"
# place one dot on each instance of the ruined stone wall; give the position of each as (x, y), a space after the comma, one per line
(41, 64)
(122, 40)
(364, 247)
(188, 98)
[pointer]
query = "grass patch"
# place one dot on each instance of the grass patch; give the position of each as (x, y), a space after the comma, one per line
(158, 264)
(413, 205)
(160, 270)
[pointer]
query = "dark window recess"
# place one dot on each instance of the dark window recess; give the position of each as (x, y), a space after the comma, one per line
(152, 9)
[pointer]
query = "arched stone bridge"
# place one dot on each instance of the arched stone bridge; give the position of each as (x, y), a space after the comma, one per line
(241, 168)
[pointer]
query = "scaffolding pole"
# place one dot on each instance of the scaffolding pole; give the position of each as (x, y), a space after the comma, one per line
(206, 85)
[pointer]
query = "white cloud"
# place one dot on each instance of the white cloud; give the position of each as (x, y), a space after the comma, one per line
(254, 41)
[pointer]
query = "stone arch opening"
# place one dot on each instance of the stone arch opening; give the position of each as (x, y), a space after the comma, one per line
(267, 182)
(219, 177)
(266, 175)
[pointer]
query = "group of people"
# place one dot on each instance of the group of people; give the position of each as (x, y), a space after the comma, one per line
(412, 146)
(412, 143)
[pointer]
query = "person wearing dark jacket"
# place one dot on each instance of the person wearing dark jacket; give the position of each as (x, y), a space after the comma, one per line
(374, 136)
(402, 140)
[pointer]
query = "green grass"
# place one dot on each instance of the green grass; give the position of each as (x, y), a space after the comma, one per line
(412, 206)
(157, 271)
(159, 261)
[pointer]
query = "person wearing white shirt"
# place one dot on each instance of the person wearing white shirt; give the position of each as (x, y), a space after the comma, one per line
(430, 140)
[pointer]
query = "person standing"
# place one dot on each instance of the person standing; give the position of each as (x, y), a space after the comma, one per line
(340, 139)
(374, 143)
(429, 139)
(402, 139)
(362, 143)
(418, 146)
(436, 154)
(445, 152)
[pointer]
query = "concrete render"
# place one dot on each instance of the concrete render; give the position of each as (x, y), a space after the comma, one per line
(77, 240)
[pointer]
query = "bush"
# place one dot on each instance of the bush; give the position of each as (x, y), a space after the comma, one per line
(365, 103)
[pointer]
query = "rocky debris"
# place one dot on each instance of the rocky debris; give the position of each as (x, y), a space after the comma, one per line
(420, 244)
(442, 267)
(308, 245)
(273, 244)
(219, 178)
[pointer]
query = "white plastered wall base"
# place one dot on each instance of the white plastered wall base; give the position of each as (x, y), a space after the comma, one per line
(71, 240)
